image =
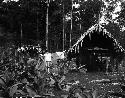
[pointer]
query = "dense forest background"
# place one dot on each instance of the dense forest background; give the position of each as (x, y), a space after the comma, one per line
(25, 20)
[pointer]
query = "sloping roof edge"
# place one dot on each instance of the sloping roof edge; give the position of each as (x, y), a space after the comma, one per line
(89, 31)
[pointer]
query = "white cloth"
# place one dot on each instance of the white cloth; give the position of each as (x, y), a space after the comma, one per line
(60, 55)
(47, 57)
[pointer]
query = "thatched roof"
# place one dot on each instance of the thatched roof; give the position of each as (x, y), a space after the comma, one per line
(91, 30)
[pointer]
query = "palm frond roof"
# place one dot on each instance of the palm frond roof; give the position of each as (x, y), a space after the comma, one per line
(91, 30)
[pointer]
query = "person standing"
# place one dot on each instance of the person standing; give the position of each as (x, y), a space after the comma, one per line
(48, 60)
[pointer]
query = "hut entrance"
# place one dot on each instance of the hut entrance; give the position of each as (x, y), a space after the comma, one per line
(96, 59)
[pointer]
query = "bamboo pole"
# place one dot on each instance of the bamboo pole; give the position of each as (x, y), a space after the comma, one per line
(38, 35)
(21, 35)
(47, 24)
(63, 28)
(80, 26)
(37, 26)
(71, 25)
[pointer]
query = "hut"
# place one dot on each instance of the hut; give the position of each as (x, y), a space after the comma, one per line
(97, 49)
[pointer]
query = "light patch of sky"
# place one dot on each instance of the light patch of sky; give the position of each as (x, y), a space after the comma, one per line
(103, 20)
(123, 29)
(68, 17)
(15, 0)
(114, 14)
(117, 9)
(106, 3)
(5, 0)
(76, 5)
(10, 0)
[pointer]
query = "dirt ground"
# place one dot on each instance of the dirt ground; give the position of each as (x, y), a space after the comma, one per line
(85, 79)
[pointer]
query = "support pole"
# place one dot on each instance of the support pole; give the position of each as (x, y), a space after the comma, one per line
(47, 25)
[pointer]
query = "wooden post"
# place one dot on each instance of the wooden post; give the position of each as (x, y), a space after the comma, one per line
(107, 64)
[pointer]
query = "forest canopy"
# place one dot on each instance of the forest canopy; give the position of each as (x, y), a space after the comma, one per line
(26, 20)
